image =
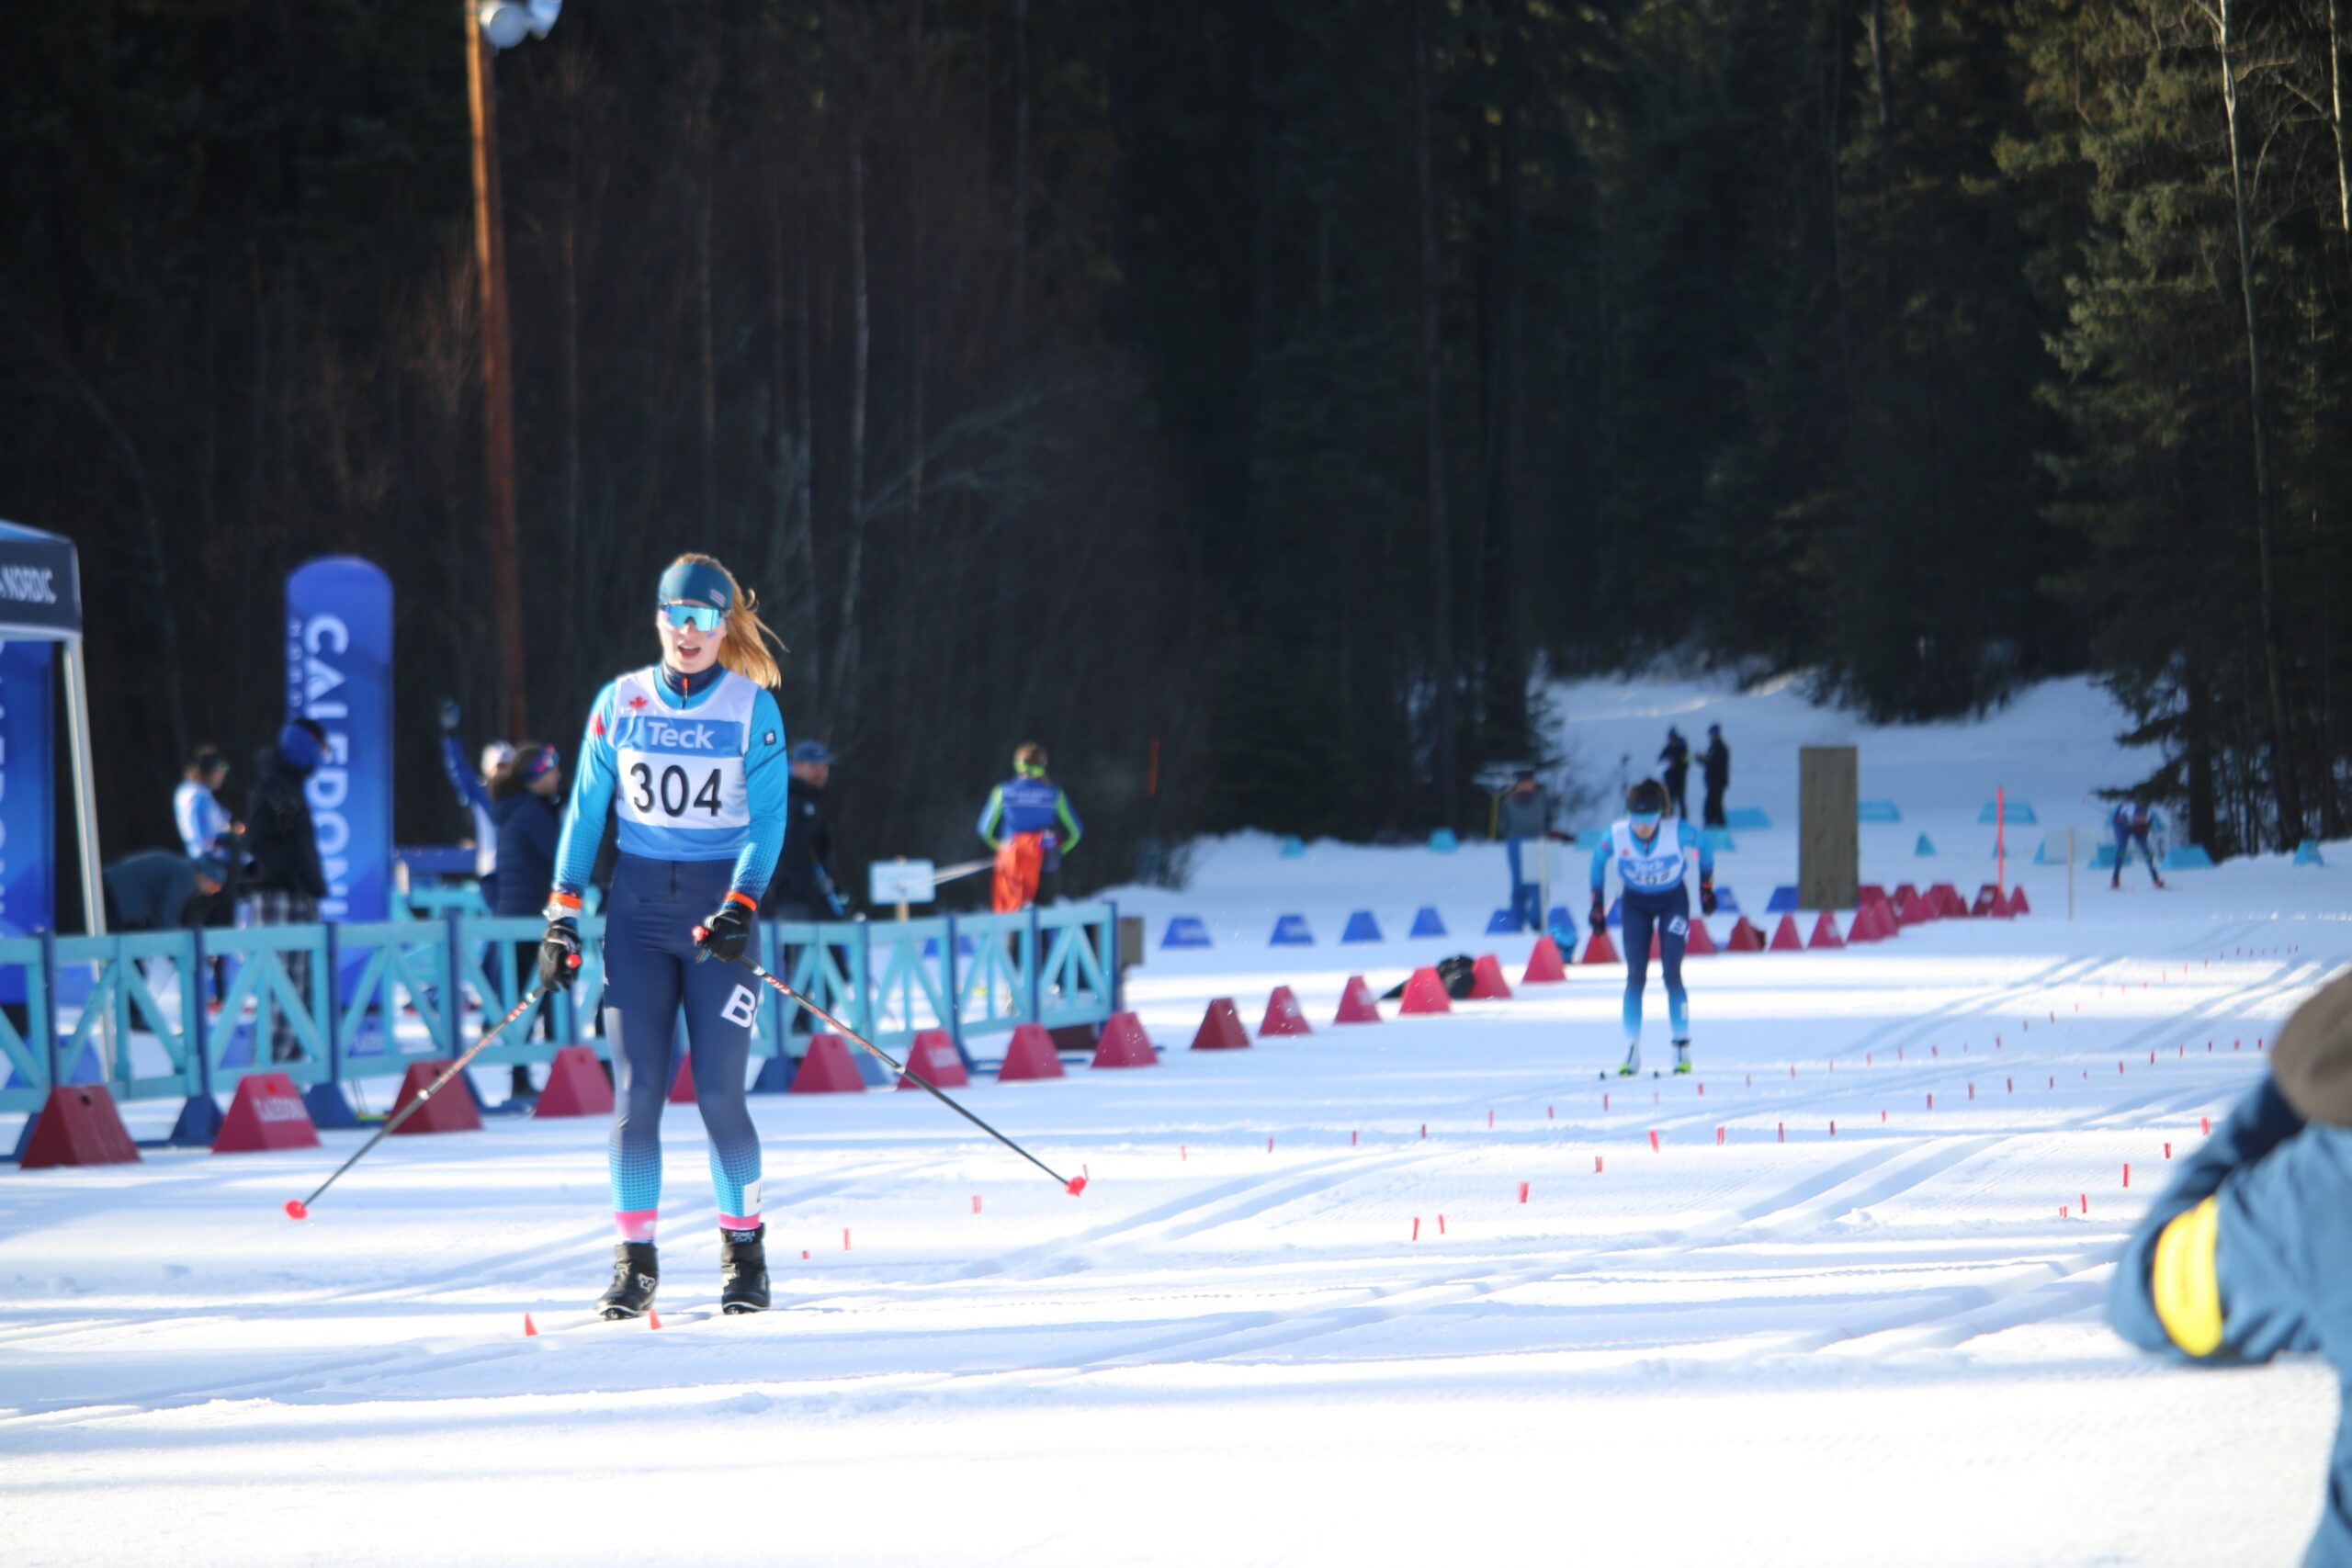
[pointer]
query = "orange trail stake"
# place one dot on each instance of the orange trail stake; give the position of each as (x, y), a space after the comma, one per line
(653, 1317)
(530, 1329)
(1523, 1191)
(1653, 1140)
(1416, 1227)
(1596, 1164)
(976, 1202)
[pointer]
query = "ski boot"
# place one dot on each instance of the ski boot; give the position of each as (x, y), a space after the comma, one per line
(743, 1271)
(1632, 1065)
(637, 1271)
(1682, 1058)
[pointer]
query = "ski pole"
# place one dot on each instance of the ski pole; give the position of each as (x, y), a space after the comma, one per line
(1073, 1185)
(300, 1208)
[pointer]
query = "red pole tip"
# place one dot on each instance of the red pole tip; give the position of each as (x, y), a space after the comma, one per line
(297, 1210)
(1077, 1185)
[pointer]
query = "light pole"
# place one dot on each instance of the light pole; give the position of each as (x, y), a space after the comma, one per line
(494, 25)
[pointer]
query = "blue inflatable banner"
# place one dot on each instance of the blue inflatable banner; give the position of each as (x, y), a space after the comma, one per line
(339, 671)
(28, 798)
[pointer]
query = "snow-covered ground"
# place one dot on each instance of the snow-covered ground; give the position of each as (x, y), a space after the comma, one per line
(1766, 1342)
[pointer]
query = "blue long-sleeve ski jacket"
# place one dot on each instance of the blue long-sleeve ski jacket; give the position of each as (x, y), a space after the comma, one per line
(687, 735)
(1029, 806)
(1632, 871)
(2249, 1253)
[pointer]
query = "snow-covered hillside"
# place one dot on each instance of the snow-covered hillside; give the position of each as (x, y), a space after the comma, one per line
(1843, 1312)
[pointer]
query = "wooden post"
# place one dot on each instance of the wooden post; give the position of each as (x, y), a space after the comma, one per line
(497, 379)
(1828, 834)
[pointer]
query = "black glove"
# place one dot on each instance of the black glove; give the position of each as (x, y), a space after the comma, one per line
(449, 716)
(1706, 896)
(1598, 919)
(723, 935)
(560, 954)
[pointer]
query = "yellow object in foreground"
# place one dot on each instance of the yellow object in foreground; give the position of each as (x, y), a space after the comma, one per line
(2187, 1293)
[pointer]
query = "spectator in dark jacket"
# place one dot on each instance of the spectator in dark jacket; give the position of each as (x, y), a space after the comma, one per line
(2245, 1253)
(1523, 818)
(525, 794)
(157, 890)
(1715, 767)
(1676, 756)
(802, 887)
(286, 879)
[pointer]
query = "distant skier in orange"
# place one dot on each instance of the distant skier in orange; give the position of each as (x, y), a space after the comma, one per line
(1029, 823)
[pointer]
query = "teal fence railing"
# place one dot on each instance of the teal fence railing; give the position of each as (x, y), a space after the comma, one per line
(342, 1003)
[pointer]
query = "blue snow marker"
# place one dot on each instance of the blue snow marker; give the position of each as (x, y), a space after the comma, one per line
(1361, 926)
(1502, 922)
(2104, 858)
(1426, 921)
(963, 948)
(1290, 931)
(1727, 902)
(1876, 811)
(1292, 847)
(1925, 849)
(1559, 920)
(1747, 819)
(2307, 854)
(2188, 857)
(1443, 841)
(1782, 902)
(1185, 930)
(2016, 811)
(1721, 841)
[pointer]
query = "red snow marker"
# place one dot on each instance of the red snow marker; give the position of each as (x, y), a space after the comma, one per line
(1523, 1191)
(1490, 1116)
(1486, 982)
(1600, 950)
(976, 1202)
(1971, 1091)
(1548, 1114)
(1416, 1227)
(1782, 1129)
(1833, 1129)
(1653, 1140)
(1935, 1051)
(1596, 1164)
(1220, 1028)
(2168, 1151)
(1180, 1154)
(1356, 1004)
(2087, 1202)
(1424, 992)
(295, 1209)
(844, 1238)
(653, 1318)
(2205, 1124)
(1441, 1225)
(1719, 1137)
(2119, 1069)
(1543, 964)
(1931, 1102)
(2011, 1085)
(1270, 1144)
(530, 1329)
(1283, 1015)
(2063, 1210)
(2127, 1173)
(1351, 1137)
(804, 1255)
(1077, 1185)
(1703, 1087)
(1425, 1132)
(1866, 1059)
(1604, 1102)
(1881, 1117)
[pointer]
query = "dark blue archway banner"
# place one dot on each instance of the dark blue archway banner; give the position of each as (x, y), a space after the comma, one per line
(28, 798)
(339, 671)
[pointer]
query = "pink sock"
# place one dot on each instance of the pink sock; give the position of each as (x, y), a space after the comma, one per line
(634, 1225)
(739, 1222)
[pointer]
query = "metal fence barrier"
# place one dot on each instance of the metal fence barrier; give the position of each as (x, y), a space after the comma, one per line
(339, 1003)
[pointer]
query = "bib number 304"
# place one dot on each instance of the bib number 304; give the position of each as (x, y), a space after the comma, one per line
(672, 791)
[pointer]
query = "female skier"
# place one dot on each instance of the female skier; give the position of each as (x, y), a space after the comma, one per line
(1649, 855)
(689, 754)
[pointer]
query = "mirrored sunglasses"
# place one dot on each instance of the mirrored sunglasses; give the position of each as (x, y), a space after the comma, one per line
(701, 617)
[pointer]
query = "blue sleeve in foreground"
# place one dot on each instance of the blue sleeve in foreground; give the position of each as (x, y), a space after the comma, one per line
(592, 797)
(767, 786)
(2258, 1124)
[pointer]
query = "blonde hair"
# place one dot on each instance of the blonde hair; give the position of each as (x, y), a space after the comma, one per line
(743, 639)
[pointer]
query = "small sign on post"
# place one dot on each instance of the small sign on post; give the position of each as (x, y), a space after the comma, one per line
(901, 882)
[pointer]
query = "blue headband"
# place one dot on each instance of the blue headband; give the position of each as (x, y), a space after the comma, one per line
(697, 583)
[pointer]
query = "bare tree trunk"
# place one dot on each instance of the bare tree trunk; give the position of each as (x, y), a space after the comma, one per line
(2336, 120)
(1447, 759)
(706, 337)
(1020, 169)
(1878, 59)
(854, 560)
(2282, 764)
(568, 398)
